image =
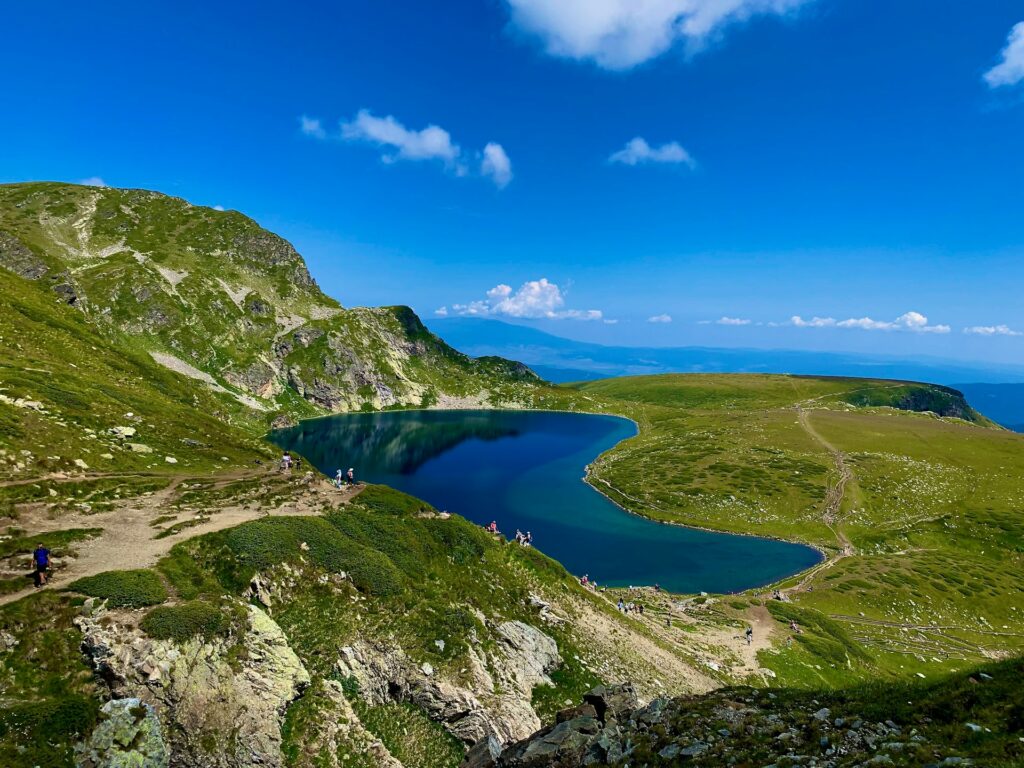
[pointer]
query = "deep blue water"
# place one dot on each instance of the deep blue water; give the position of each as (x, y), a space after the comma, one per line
(524, 469)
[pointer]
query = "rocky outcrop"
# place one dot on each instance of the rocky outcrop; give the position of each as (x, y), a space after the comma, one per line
(128, 736)
(590, 734)
(16, 257)
(223, 700)
(496, 703)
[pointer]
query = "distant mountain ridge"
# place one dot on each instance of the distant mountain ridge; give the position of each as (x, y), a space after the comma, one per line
(559, 359)
(217, 298)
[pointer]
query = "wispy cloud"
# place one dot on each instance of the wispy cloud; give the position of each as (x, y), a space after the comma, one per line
(992, 330)
(662, 318)
(93, 181)
(1010, 69)
(619, 34)
(432, 143)
(725, 320)
(911, 321)
(312, 127)
(496, 164)
(534, 300)
(638, 151)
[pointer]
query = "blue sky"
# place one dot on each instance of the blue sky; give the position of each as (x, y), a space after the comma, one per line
(856, 161)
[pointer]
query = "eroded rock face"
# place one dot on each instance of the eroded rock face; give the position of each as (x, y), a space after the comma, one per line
(590, 734)
(128, 736)
(222, 700)
(495, 705)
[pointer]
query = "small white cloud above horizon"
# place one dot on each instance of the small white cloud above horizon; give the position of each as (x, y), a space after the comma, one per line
(496, 165)
(218, 207)
(93, 181)
(432, 143)
(914, 322)
(992, 330)
(662, 318)
(725, 320)
(637, 151)
(1010, 69)
(534, 300)
(620, 34)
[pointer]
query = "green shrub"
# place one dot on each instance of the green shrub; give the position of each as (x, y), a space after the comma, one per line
(264, 543)
(45, 730)
(123, 589)
(183, 622)
(381, 498)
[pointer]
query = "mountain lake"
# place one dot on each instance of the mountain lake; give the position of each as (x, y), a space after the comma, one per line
(525, 469)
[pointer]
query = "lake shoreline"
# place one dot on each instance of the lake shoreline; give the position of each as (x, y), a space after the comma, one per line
(589, 478)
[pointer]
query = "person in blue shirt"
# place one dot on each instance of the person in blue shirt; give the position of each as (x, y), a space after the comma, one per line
(41, 561)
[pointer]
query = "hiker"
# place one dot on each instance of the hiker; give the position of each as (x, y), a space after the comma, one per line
(528, 539)
(286, 462)
(750, 635)
(622, 605)
(584, 580)
(41, 561)
(493, 527)
(351, 476)
(339, 479)
(795, 627)
(641, 609)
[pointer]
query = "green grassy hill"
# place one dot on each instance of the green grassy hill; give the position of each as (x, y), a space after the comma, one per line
(920, 514)
(216, 297)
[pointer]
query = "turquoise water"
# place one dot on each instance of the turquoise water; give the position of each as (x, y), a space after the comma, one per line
(524, 469)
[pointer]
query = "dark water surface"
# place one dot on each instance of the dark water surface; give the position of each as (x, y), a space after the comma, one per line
(524, 469)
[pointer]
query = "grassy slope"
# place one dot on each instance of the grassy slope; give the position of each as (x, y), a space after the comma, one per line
(932, 510)
(156, 274)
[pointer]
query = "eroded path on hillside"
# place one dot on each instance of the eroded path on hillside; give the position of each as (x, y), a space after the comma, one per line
(139, 531)
(831, 513)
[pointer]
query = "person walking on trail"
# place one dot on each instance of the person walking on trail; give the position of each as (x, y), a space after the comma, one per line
(750, 635)
(351, 476)
(339, 479)
(286, 462)
(41, 563)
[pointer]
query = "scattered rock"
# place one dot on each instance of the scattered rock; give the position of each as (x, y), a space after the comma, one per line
(128, 736)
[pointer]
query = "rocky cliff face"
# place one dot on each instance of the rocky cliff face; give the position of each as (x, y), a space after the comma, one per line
(220, 702)
(231, 305)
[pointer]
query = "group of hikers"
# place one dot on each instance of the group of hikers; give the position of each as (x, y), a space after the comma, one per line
(341, 479)
(522, 539)
(630, 607)
(347, 478)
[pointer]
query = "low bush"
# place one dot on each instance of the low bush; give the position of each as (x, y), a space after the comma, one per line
(123, 589)
(183, 622)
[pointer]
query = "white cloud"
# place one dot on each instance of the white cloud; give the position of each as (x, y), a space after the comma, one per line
(93, 181)
(432, 142)
(814, 322)
(619, 34)
(910, 321)
(312, 127)
(496, 164)
(1010, 70)
(663, 318)
(638, 151)
(218, 207)
(441, 311)
(992, 330)
(732, 321)
(401, 143)
(535, 299)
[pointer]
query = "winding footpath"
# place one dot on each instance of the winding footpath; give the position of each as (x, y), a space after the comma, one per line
(129, 538)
